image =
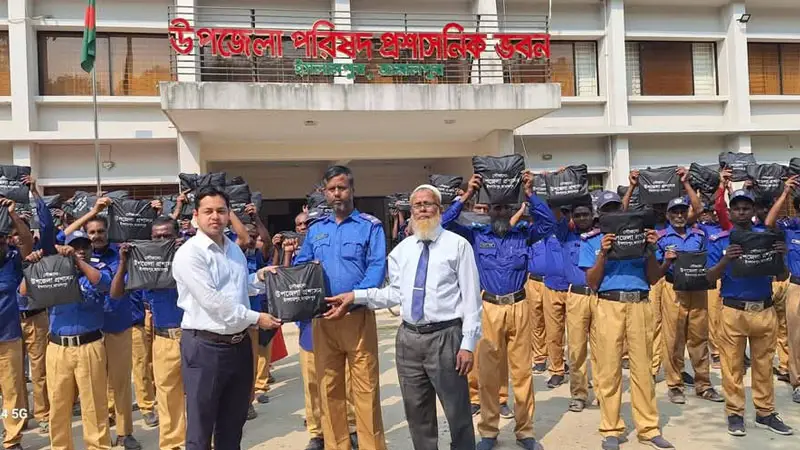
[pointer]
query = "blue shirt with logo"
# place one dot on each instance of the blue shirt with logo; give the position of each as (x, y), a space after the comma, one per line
(739, 288)
(618, 275)
(87, 316)
(164, 307)
(791, 226)
(695, 240)
(10, 278)
(255, 261)
(118, 313)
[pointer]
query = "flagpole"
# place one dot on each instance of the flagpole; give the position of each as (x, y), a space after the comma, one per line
(96, 133)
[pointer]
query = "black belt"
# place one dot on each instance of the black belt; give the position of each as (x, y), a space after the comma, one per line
(794, 280)
(76, 340)
(30, 313)
(508, 299)
(535, 277)
(146, 306)
(169, 333)
(669, 278)
(231, 339)
(431, 327)
(624, 296)
(138, 324)
(748, 305)
(583, 290)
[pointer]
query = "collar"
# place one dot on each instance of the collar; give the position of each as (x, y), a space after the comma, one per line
(207, 242)
(670, 230)
(437, 234)
(332, 216)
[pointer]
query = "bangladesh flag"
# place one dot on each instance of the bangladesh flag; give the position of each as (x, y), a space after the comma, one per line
(89, 49)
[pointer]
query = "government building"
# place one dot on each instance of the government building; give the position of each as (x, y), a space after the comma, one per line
(275, 91)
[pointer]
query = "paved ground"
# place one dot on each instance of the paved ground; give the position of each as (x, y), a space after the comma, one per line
(696, 425)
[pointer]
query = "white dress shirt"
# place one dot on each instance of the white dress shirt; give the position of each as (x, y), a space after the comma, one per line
(214, 286)
(452, 287)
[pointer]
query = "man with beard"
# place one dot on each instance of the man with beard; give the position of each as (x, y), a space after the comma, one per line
(351, 246)
(433, 276)
(747, 314)
(502, 259)
(623, 316)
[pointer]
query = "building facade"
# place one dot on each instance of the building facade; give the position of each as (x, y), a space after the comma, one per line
(642, 83)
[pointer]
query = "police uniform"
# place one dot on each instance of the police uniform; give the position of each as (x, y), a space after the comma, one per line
(353, 256)
(535, 292)
(142, 354)
(655, 300)
(12, 375)
(622, 316)
(167, 366)
(77, 364)
(555, 291)
(261, 354)
(791, 227)
(714, 300)
(505, 341)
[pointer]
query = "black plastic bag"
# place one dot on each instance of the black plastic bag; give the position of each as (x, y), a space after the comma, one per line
(193, 181)
(471, 219)
(168, 204)
(239, 195)
(6, 224)
(629, 227)
(689, 271)
(794, 166)
(235, 180)
(296, 293)
(52, 281)
(80, 204)
(130, 220)
(256, 198)
(11, 183)
(568, 186)
(759, 258)
(659, 185)
(150, 265)
(635, 203)
(502, 178)
(448, 185)
(738, 163)
(540, 186)
(704, 179)
(401, 202)
(316, 199)
(768, 179)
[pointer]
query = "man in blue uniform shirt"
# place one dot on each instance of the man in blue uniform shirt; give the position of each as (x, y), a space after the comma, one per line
(535, 291)
(710, 225)
(351, 246)
(747, 314)
(623, 315)
(555, 298)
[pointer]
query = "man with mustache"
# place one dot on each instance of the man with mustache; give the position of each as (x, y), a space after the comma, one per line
(502, 258)
(433, 276)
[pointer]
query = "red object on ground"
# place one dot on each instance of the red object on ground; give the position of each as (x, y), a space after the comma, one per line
(278, 347)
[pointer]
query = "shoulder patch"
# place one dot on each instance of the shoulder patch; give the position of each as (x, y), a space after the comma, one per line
(319, 236)
(99, 265)
(370, 218)
(488, 244)
(699, 231)
(719, 236)
(590, 234)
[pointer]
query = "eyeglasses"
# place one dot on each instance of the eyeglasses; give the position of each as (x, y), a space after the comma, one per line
(424, 205)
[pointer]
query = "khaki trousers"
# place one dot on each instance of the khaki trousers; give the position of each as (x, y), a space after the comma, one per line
(169, 392)
(472, 379)
(714, 314)
(254, 347)
(534, 292)
(506, 342)
(793, 327)
(614, 324)
(658, 339)
(34, 336)
(779, 289)
(685, 326)
(579, 325)
(312, 400)
(736, 328)
(142, 354)
(119, 349)
(555, 311)
(78, 371)
(12, 383)
(262, 367)
(349, 342)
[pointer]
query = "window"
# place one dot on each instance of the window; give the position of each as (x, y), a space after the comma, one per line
(774, 68)
(126, 64)
(572, 64)
(136, 191)
(5, 71)
(596, 181)
(671, 68)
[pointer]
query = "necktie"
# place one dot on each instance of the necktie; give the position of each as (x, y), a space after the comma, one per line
(418, 297)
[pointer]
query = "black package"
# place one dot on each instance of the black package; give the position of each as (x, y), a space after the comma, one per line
(11, 183)
(168, 204)
(448, 185)
(296, 293)
(540, 186)
(193, 181)
(470, 219)
(256, 198)
(235, 180)
(80, 204)
(738, 163)
(52, 281)
(502, 178)
(239, 195)
(794, 166)
(130, 220)
(150, 265)
(635, 203)
(117, 195)
(659, 185)
(759, 258)
(767, 179)
(316, 199)
(568, 186)
(689, 271)
(6, 224)
(629, 227)
(402, 202)
(704, 179)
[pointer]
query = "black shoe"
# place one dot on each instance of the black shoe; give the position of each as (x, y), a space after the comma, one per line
(15, 447)
(796, 395)
(610, 443)
(151, 420)
(746, 360)
(566, 369)
(773, 423)
(263, 398)
(711, 395)
(782, 376)
(715, 364)
(76, 410)
(128, 443)
(486, 444)
(736, 425)
(687, 379)
(505, 411)
(475, 409)
(529, 444)
(676, 396)
(556, 381)
(271, 379)
(316, 444)
(44, 427)
(577, 405)
(251, 413)
(658, 442)
(112, 421)
(539, 368)
(354, 441)
(626, 364)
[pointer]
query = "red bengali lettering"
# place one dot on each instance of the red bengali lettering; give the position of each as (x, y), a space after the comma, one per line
(390, 45)
(530, 46)
(181, 44)
(268, 40)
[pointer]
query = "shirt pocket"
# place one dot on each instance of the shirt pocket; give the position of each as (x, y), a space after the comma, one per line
(487, 257)
(353, 250)
(321, 248)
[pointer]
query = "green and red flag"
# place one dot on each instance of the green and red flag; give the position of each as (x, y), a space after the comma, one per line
(89, 49)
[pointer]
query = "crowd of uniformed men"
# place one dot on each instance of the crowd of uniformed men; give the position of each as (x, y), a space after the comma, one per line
(550, 295)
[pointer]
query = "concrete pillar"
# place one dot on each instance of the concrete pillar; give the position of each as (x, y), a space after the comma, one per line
(188, 66)
(612, 64)
(740, 143)
(734, 73)
(489, 64)
(619, 157)
(190, 159)
(23, 65)
(341, 18)
(498, 142)
(25, 154)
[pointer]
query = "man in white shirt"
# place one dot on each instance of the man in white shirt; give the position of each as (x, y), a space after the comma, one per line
(216, 356)
(433, 276)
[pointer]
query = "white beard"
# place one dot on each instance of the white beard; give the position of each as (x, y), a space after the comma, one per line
(425, 229)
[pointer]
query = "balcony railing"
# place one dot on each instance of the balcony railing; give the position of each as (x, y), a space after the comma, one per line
(279, 46)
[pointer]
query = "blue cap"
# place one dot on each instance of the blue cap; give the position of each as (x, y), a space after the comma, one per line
(79, 234)
(742, 194)
(679, 202)
(607, 197)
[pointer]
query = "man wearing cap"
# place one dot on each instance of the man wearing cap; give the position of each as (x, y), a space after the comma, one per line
(433, 276)
(623, 315)
(684, 313)
(747, 314)
(708, 222)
